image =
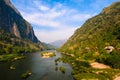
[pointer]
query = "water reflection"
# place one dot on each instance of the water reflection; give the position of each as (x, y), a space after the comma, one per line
(42, 69)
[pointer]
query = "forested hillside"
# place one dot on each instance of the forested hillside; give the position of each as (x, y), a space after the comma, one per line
(97, 40)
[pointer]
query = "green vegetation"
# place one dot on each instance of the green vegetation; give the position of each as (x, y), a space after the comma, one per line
(58, 59)
(26, 74)
(12, 47)
(10, 57)
(47, 54)
(112, 59)
(89, 42)
(83, 70)
(10, 44)
(62, 69)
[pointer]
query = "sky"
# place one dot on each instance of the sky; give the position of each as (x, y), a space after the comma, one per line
(58, 19)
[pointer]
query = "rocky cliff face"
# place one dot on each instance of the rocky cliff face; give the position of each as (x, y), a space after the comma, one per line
(12, 22)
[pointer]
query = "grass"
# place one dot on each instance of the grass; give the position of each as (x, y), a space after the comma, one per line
(97, 74)
(10, 57)
(82, 70)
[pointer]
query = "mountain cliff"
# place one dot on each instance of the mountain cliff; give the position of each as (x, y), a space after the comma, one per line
(16, 34)
(12, 22)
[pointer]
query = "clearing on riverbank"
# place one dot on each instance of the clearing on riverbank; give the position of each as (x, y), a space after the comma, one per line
(99, 65)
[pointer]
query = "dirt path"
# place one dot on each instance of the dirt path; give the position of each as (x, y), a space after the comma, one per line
(117, 78)
(103, 66)
(99, 65)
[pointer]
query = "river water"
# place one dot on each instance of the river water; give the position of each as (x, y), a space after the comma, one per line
(41, 68)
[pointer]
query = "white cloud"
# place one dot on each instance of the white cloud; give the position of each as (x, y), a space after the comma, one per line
(59, 17)
(39, 5)
(49, 18)
(82, 17)
(50, 36)
(44, 8)
(38, 19)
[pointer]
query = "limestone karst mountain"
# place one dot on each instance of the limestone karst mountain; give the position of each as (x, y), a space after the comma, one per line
(16, 34)
(11, 21)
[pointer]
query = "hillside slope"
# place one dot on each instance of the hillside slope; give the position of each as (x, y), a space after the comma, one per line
(96, 33)
(96, 41)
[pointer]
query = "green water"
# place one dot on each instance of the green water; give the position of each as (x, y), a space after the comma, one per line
(42, 69)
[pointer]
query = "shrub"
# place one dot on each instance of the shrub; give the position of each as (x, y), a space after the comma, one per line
(62, 69)
(112, 59)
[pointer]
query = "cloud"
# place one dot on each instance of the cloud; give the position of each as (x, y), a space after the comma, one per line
(62, 19)
(56, 21)
(50, 36)
(82, 17)
(54, 18)
(47, 17)
(40, 19)
(41, 7)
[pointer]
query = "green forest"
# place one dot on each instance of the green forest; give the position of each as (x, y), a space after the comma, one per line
(98, 40)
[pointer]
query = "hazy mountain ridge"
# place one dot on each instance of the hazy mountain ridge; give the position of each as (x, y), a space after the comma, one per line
(48, 46)
(58, 43)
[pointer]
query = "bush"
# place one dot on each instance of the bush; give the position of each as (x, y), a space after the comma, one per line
(62, 69)
(26, 74)
(112, 59)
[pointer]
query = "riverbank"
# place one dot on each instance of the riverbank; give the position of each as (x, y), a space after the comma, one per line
(10, 57)
(83, 69)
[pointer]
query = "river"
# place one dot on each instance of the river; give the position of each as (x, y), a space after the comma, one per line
(41, 68)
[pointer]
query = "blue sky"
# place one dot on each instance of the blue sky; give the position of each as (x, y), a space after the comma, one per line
(58, 19)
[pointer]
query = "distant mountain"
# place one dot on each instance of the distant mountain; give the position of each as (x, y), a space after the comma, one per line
(48, 46)
(12, 22)
(16, 34)
(58, 43)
